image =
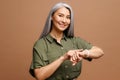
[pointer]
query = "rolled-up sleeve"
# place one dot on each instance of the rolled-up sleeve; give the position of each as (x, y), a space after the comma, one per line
(83, 44)
(39, 56)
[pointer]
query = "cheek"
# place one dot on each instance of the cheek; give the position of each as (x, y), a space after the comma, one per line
(55, 17)
(68, 21)
(58, 19)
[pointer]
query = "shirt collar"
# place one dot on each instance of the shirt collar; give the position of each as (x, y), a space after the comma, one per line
(51, 39)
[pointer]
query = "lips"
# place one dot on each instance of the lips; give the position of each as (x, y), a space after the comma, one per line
(62, 25)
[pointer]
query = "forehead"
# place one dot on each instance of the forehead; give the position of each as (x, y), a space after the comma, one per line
(63, 10)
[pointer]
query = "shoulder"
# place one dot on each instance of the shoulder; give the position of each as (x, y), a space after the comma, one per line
(81, 41)
(76, 38)
(39, 43)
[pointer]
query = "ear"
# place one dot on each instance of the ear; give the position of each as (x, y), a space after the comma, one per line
(52, 17)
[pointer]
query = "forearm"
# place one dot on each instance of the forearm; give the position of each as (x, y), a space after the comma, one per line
(46, 71)
(94, 52)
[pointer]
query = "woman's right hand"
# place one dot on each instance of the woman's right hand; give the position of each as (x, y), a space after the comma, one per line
(73, 56)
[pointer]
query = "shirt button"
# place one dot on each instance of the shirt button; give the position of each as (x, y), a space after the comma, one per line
(66, 66)
(67, 76)
(61, 47)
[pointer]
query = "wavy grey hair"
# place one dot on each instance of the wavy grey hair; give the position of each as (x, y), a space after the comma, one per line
(69, 32)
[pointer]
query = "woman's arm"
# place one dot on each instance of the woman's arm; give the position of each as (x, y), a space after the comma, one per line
(94, 53)
(46, 71)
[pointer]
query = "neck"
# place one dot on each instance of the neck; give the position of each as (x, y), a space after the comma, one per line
(57, 35)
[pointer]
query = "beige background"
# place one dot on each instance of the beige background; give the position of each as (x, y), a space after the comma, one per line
(21, 22)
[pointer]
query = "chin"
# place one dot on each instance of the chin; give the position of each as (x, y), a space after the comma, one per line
(62, 29)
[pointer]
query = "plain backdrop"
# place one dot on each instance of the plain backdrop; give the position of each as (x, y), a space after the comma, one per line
(21, 22)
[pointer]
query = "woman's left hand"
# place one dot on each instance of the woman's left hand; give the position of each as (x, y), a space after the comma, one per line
(76, 57)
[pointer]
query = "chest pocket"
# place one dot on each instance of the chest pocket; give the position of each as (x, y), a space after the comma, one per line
(52, 52)
(75, 46)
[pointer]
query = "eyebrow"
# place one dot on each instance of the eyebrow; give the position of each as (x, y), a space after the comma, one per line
(63, 13)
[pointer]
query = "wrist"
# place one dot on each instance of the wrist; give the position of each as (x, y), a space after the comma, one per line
(62, 58)
(86, 53)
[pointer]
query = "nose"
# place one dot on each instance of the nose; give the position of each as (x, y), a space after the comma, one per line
(64, 19)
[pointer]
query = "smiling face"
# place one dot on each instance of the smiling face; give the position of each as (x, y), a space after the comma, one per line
(61, 19)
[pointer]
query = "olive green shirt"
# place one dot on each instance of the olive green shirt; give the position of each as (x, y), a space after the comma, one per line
(47, 49)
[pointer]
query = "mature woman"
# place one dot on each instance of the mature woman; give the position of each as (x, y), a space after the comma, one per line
(58, 54)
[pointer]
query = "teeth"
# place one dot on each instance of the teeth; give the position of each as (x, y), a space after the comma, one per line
(61, 24)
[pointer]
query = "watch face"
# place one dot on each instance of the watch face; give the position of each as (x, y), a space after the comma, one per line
(86, 53)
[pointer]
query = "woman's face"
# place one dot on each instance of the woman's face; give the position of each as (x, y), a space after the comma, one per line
(61, 19)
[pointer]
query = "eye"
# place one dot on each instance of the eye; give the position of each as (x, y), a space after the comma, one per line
(68, 17)
(60, 15)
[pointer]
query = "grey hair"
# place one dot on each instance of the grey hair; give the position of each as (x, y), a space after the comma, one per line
(69, 32)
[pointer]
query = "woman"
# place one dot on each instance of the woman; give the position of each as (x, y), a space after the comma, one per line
(58, 54)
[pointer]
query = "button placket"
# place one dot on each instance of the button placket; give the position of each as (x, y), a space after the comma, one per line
(67, 76)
